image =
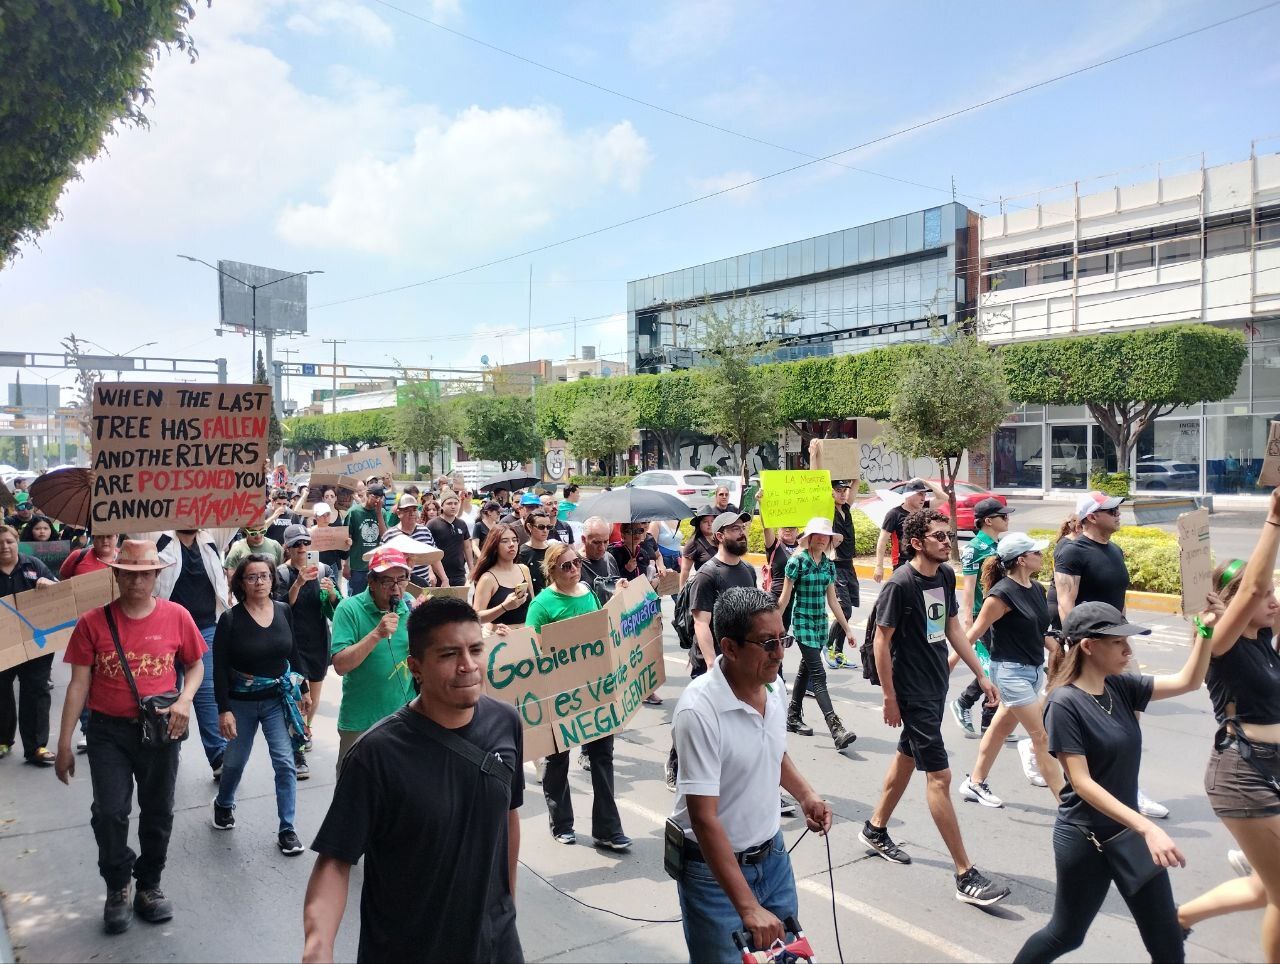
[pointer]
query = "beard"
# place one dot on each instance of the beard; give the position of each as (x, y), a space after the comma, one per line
(737, 547)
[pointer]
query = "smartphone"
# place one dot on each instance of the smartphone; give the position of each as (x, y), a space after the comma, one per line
(313, 558)
(520, 587)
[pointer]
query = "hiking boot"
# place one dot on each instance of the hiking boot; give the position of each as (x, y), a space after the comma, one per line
(965, 722)
(795, 724)
(224, 818)
(879, 842)
(839, 735)
(973, 888)
(152, 905)
(979, 793)
(289, 843)
(117, 915)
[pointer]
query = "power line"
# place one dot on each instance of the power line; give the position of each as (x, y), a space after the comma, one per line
(805, 164)
(666, 110)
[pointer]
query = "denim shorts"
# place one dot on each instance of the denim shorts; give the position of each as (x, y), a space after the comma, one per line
(1018, 683)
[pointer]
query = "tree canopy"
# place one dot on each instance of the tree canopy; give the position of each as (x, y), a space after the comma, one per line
(600, 434)
(499, 428)
(73, 69)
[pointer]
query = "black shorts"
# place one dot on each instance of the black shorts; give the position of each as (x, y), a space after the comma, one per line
(922, 734)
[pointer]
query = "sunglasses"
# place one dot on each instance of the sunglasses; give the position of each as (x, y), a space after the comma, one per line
(1115, 512)
(301, 545)
(938, 536)
(541, 528)
(255, 532)
(571, 565)
(775, 645)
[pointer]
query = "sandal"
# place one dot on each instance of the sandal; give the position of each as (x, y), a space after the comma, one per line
(42, 758)
(653, 699)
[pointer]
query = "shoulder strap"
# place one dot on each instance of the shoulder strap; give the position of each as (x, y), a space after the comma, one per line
(124, 663)
(489, 763)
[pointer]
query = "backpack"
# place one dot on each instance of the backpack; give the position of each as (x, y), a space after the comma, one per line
(682, 620)
(868, 648)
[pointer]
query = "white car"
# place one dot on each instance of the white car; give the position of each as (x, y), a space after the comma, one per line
(692, 488)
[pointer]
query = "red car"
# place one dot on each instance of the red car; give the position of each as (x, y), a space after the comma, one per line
(967, 496)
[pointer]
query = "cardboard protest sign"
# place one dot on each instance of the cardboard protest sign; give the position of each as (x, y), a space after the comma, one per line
(177, 456)
(1195, 561)
(329, 538)
(668, 583)
(450, 592)
(12, 652)
(319, 481)
(1151, 511)
(39, 621)
(839, 456)
(794, 496)
(1270, 474)
(354, 465)
(52, 553)
(94, 589)
(582, 678)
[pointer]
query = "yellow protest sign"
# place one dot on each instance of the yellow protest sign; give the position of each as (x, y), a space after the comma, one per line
(794, 496)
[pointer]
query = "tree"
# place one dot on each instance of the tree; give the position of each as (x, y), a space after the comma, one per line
(420, 423)
(499, 428)
(73, 69)
(739, 403)
(601, 435)
(1129, 379)
(275, 434)
(86, 378)
(951, 397)
(667, 406)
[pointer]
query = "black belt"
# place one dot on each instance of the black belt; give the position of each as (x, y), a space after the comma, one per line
(748, 857)
(96, 717)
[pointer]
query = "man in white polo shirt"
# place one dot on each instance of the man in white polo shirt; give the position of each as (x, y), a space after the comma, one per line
(731, 736)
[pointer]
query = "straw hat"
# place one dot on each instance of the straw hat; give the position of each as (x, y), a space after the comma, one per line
(139, 555)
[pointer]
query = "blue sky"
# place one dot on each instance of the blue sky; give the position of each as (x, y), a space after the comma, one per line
(349, 137)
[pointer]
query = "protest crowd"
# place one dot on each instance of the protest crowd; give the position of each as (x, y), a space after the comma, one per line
(402, 592)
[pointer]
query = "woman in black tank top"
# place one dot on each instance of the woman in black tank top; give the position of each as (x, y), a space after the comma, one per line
(503, 586)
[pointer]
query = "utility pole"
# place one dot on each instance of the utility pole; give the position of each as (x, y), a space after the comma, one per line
(529, 316)
(335, 343)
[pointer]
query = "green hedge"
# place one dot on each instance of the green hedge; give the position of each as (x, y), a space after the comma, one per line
(1151, 554)
(1112, 483)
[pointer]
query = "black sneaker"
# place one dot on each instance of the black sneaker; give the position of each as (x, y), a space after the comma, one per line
(879, 842)
(289, 843)
(216, 767)
(973, 888)
(117, 915)
(224, 818)
(300, 765)
(152, 905)
(584, 761)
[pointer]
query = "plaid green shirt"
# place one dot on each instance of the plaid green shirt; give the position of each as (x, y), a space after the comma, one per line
(809, 580)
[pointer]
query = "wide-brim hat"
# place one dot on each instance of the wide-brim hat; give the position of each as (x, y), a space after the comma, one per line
(414, 553)
(139, 555)
(708, 511)
(819, 526)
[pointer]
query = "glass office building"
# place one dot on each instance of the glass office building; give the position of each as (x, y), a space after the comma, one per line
(847, 291)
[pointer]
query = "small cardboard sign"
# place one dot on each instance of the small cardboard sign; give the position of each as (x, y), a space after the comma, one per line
(668, 583)
(355, 465)
(442, 592)
(1195, 560)
(1151, 511)
(39, 621)
(839, 456)
(319, 481)
(794, 496)
(1269, 477)
(582, 678)
(330, 538)
(53, 553)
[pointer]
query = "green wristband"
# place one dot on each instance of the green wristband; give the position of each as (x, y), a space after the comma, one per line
(1205, 632)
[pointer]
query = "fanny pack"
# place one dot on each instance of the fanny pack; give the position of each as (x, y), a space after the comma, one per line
(1129, 858)
(153, 710)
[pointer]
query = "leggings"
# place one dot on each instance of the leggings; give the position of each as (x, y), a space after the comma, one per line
(1083, 881)
(811, 671)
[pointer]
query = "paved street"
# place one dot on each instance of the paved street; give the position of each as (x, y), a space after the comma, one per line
(238, 899)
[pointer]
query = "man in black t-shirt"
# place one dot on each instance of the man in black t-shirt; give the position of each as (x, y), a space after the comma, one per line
(453, 539)
(423, 800)
(916, 616)
(891, 535)
(597, 561)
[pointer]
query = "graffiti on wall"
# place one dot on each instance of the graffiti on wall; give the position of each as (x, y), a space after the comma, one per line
(881, 466)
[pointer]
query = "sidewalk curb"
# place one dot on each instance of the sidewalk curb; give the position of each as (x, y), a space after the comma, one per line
(1151, 602)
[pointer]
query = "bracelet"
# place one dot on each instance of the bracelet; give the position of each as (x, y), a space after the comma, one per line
(1203, 631)
(1271, 523)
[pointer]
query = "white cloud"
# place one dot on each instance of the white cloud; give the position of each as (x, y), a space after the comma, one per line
(725, 181)
(685, 31)
(481, 177)
(316, 16)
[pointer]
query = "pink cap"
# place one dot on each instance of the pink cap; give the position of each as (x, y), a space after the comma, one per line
(384, 558)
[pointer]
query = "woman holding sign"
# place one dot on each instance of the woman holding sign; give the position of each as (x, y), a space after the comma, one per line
(567, 596)
(30, 713)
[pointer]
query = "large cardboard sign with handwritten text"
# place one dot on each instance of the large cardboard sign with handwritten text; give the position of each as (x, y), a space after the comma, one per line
(177, 456)
(1194, 560)
(839, 456)
(792, 497)
(39, 621)
(356, 465)
(583, 678)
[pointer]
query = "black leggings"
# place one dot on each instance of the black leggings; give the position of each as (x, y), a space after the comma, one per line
(811, 671)
(1083, 881)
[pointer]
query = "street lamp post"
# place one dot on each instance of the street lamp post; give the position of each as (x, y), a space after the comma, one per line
(253, 289)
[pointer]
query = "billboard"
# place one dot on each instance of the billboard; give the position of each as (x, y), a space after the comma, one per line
(281, 305)
(35, 399)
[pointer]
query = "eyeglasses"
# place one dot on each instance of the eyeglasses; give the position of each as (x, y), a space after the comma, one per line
(775, 645)
(939, 536)
(257, 577)
(738, 528)
(570, 565)
(391, 580)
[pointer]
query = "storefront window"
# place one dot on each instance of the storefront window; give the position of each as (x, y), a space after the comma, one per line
(1017, 456)
(1168, 456)
(1069, 456)
(1233, 450)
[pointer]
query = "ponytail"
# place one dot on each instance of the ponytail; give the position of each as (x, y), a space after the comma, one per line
(993, 570)
(1065, 664)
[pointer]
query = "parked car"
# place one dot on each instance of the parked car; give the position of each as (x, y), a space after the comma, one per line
(1168, 475)
(734, 484)
(967, 496)
(693, 488)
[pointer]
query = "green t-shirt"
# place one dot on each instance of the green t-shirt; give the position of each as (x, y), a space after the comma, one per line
(241, 549)
(362, 524)
(381, 684)
(551, 606)
(980, 548)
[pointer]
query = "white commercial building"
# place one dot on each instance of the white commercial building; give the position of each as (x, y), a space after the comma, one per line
(1193, 244)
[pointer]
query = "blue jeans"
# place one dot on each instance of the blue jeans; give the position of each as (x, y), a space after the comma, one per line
(269, 714)
(710, 918)
(206, 706)
(357, 582)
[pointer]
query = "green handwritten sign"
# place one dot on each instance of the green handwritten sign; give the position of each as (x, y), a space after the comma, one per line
(792, 497)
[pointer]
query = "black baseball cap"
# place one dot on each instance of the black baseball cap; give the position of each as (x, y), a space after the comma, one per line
(915, 485)
(989, 507)
(375, 488)
(840, 483)
(1099, 619)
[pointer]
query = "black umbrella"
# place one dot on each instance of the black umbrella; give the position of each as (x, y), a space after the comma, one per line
(632, 505)
(64, 495)
(516, 479)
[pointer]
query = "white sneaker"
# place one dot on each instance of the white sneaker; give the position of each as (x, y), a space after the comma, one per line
(1149, 808)
(540, 770)
(1239, 863)
(979, 793)
(1030, 768)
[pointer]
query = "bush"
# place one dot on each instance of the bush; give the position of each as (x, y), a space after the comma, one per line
(590, 480)
(1150, 553)
(712, 470)
(1112, 483)
(863, 488)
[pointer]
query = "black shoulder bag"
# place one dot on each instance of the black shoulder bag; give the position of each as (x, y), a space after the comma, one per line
(488, 763)
(155, 723)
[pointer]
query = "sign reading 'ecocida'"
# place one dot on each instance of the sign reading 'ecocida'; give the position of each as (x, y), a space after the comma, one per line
(583, 678)
(177, 456)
